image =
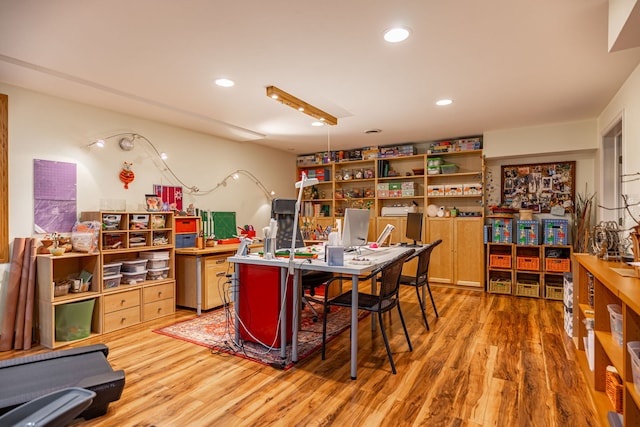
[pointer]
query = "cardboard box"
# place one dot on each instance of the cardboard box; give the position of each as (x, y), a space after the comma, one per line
(472, 189)
(435, 190)
(452, 190)
(408, 185)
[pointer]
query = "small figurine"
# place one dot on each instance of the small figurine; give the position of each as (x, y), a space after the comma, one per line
(126, 174)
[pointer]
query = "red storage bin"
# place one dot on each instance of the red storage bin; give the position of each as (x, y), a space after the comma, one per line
(528, 263)
(186, 225)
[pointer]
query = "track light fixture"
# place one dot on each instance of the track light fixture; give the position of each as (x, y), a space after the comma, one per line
(298, 104)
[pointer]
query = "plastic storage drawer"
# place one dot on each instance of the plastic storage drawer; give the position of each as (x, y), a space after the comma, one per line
(134, 266)
(157, 273)
(133, 278)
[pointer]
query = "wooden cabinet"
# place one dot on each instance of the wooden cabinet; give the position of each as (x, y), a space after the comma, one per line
(459, 259)
(51, 272)
(213, 271)
(121, 309)
(607, 287)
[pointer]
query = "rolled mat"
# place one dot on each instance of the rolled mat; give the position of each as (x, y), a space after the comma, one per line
(13, 290)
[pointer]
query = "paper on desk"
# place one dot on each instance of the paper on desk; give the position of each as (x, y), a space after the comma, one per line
(625, 272)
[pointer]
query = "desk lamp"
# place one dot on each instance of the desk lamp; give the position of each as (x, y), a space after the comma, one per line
(304, 182)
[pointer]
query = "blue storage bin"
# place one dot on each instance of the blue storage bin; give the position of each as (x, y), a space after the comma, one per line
(501, 230)
(186, 240)
(555, 231)
(527, 232)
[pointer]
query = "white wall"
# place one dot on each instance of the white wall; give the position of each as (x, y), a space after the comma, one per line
(626, 105)
(44, 127)
(556, 142)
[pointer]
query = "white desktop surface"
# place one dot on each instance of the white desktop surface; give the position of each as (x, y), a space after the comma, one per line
(377, 257)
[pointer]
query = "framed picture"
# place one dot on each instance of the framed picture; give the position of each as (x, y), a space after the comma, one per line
(539, 187)
(153, 202)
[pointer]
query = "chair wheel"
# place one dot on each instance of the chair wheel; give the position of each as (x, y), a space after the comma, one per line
(315, 318)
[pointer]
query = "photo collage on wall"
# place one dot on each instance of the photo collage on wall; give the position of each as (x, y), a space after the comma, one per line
(539, 187)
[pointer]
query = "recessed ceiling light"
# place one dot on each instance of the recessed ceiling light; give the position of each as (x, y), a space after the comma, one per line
(443, 102)
(224, 82)
(396, 35)
(317, 123)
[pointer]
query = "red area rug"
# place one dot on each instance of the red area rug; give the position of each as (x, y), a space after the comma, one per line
(215, 330)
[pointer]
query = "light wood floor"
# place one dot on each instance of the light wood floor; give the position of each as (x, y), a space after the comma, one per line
(488, 361)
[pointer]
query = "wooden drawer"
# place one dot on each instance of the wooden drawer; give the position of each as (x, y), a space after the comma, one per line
(121, 300)
(159, 308)
(158, 292)
(121, 319)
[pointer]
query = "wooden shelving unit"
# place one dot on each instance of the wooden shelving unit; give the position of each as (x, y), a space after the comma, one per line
(609, 287)
(125, 236)
(381, 183)
(527, 270)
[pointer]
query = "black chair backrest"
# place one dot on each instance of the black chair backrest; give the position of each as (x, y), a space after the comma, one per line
(424, 255)
(390, 275)
(283, 211)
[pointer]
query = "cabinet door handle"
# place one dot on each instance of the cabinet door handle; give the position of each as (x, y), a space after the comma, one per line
(221, 261)
(220, 274)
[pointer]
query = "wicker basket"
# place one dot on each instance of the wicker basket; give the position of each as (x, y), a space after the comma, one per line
(615, 390)
(559, 265)
(500, 286)
(500, 261)
(555, 293)
(528, 288)
(528, 263)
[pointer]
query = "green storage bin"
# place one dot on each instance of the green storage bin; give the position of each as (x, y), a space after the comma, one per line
(73, 320)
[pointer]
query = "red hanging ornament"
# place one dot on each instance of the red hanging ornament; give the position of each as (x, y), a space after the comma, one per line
(126, 174)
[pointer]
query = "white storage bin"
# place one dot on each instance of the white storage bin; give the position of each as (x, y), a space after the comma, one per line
(634, 350)
(157, 273)
(111, 281)
(154, 255)
(133, 278)
(111, 269)
(155, 263)
(615, 314)
(134, 266)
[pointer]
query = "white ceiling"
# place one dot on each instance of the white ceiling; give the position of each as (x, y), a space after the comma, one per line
(505, 63)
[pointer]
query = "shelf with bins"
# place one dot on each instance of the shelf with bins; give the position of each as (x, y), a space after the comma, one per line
(609, 288)
(137, 277)
(56, 301)
(528, 270)
(457, 181)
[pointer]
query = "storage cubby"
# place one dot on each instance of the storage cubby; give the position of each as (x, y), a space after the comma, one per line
(51, 272)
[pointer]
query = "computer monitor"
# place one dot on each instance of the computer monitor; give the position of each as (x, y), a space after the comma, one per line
(414, 227)
(356, 227)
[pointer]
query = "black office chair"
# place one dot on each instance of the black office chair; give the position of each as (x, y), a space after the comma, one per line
(421, 280)
(282, 210)
(384, 301)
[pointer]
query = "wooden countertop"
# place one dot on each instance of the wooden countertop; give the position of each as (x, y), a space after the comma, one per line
(625, 288)
(218, 249)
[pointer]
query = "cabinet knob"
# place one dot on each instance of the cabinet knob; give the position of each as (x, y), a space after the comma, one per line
(123, 301)
(122, 320)
(159, 309)
(159, 293)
